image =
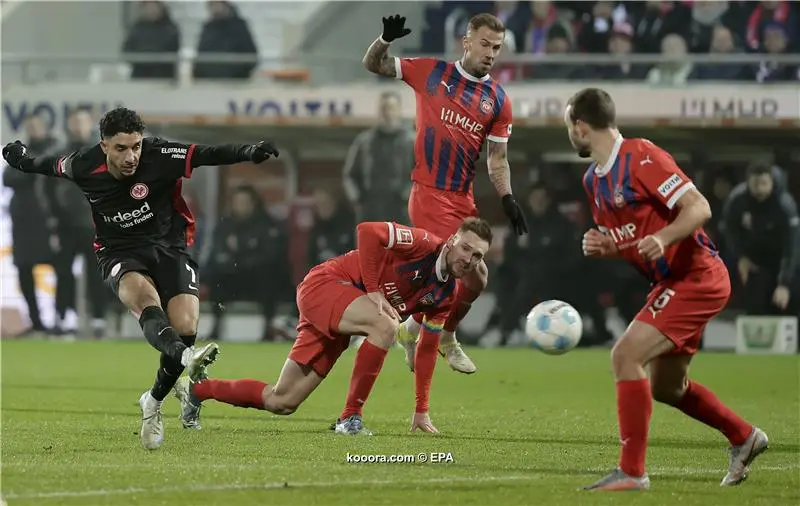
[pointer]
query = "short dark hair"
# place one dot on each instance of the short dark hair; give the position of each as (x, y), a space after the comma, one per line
(594, 107)
(758, 168)
(539, 185)
(479, 227)
(120, 121)
(490, 21)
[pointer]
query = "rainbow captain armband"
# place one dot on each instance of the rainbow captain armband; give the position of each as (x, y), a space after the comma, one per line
(435, 326)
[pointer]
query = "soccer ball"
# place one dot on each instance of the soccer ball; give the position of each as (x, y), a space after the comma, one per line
(554, 327)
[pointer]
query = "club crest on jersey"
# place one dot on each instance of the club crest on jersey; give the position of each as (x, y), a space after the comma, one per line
(487, 104)
(619, 198)
(139, 191)
(427, 299)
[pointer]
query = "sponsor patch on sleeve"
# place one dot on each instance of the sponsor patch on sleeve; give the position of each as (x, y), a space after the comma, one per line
(669, 185)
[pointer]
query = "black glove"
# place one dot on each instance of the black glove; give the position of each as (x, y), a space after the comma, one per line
(262, 151)
(515, 215)
(394, 27)
(14, 153)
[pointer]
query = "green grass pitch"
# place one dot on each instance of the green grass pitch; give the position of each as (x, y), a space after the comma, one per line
(526, 429)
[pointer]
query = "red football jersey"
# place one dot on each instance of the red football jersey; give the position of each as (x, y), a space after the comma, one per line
(404, 263)
(633, 196)
(456, 113)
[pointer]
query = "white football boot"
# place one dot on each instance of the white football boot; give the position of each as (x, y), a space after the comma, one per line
(197, 358)
(456, 358)
(743, 455)
(152, 431)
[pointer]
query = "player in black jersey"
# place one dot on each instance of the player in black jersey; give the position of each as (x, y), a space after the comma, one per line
(143, 228)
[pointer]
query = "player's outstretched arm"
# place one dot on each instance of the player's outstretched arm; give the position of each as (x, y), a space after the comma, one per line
(377, 59)
(227, 154)
(500, 175)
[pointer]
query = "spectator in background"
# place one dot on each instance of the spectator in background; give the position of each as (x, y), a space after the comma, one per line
(558, 42)
(768, 13)
(538, 262)
(675, 71)
(378, 166)
(722, 42)
(531, 37)
(762, 229)
(29, 239)
(76, 235)
(775, 43)
(596, 27)
(657, 20)
(621, 43)
(153, 32)
(248, 260)
(225, 32)
(706, 17)
(333, 233)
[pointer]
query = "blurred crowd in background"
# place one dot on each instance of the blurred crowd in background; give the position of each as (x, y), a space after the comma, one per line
(674, 28)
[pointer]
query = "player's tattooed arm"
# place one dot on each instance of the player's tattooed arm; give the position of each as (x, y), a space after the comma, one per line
(499, 168)
(378, 61)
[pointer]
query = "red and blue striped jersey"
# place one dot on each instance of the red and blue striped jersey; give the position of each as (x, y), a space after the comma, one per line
(633, 196)
(456, 113)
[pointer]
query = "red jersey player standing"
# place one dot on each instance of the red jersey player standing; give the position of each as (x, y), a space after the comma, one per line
(649, 213)
(459, 107)
(396, 271)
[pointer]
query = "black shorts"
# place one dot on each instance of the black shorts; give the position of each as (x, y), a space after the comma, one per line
(172, 269)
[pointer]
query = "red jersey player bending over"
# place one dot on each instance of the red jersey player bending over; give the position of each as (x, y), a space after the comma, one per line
(649, 213)
(459, 107)
(396, 271)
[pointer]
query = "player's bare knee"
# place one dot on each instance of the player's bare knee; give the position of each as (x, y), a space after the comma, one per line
(622, 356)
(184, 323)
(281, 405)
(667, 395)
(483, 275)
(383, 331)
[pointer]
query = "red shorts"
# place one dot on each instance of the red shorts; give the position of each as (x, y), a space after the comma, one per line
(680, 309)
(439, 212)
(322, 298)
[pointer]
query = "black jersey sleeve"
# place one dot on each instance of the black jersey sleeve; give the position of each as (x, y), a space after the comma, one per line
(181, 159)
(62, 165)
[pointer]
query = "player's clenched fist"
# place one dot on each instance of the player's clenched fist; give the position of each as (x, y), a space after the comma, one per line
(262, 151)
(596, 243)
(14, 153)
(383, 305)
(394, 27)
(651, 248)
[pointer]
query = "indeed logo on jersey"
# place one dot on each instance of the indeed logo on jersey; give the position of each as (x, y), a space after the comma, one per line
(669, 185)
(465, 122)
(392, 294)
(624, 236)
(179, 153)
(130, 218)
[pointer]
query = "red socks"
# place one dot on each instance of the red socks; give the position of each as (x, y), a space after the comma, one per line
(701, 404)
(245, 393)
(425, 362)
(368, 364)
(634, 407)
(464, 299)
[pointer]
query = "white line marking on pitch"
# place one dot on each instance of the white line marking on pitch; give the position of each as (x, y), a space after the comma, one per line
(357, 483)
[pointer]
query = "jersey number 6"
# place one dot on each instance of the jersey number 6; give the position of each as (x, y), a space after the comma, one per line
(661, 301)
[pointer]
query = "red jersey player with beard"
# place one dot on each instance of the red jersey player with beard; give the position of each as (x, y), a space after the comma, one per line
(650, 214)
(396, 271)
(459, 107)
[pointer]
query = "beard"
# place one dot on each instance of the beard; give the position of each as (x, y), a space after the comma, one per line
(582, 149)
